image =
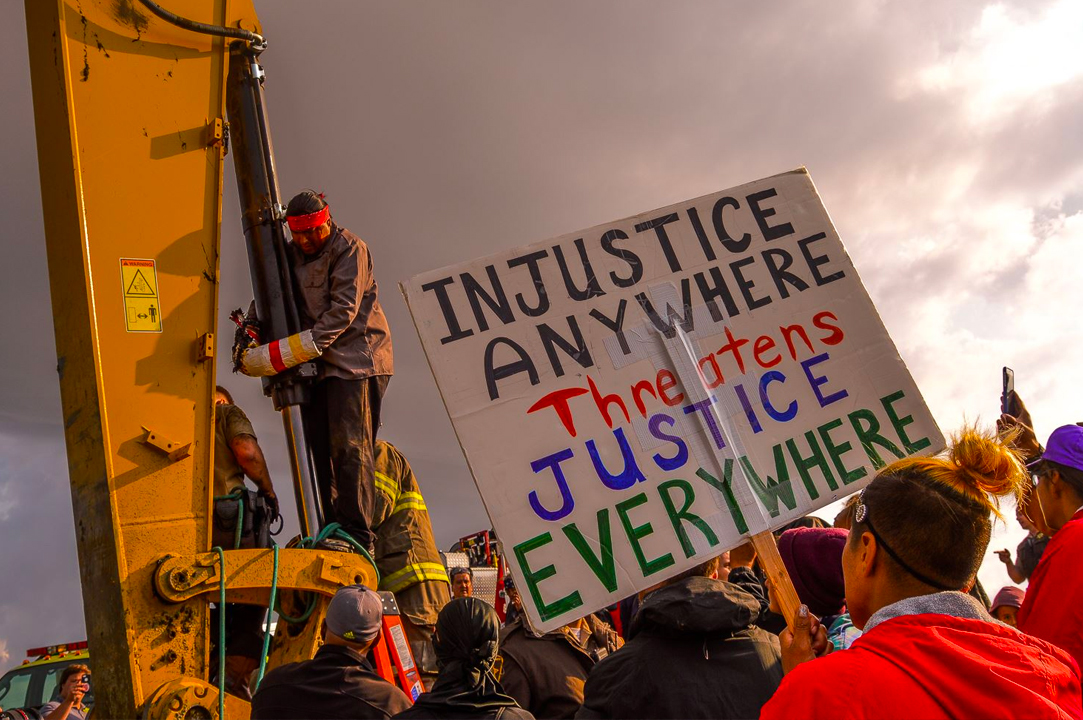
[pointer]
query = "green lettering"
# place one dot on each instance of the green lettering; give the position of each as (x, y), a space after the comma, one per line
(725, 486)
(837, 451)
(604, 567)
(870, 435)
(635, 534)
(679, 517)
(901, 423)
(532, 578)
(816, 459)
(774, 490)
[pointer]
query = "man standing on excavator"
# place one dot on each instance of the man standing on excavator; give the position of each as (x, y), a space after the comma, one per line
(346, 330)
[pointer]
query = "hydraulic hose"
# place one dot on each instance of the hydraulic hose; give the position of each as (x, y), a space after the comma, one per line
(218, 30)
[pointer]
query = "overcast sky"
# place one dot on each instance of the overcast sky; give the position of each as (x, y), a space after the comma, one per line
(944, 138)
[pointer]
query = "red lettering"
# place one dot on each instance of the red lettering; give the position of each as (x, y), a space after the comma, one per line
(637, 395)
(558, 400)
(718, 379)
(765, 344)
(734, 346)
(667, 381)
(836, 335)
(604, 401)
(788, 333)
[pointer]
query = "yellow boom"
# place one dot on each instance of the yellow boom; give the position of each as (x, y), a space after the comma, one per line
(131, 132)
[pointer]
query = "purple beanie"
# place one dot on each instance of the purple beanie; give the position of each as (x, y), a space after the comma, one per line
(813, 558)
(1009, 596)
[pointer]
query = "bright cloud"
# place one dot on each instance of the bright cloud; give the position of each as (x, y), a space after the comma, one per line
(1011, 57)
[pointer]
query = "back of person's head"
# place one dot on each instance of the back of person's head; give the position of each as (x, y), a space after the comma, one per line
(845, 518)
(931, 515)
(467, 632)
(305, 202)
(707, 569)
(813, 559)
(354, 616)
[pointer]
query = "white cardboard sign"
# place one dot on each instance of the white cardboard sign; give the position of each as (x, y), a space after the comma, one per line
(637, 398)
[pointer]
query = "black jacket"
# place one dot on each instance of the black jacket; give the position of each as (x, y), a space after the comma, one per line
(693, 652)
(449, 713)
(338, 683)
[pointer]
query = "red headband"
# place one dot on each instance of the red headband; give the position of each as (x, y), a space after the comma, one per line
(301, 223)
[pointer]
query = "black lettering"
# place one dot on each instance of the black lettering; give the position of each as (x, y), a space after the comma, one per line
(770, 232)
(531, 261)
(746, 285)
(716, 289)
(779, 271)
(659, 226)
(455, 331)
(475, 292)
(523, 364)
(814, 263)
(704, 241)
(666, 326)
(734, 246)
(593, 289)
(627, 256)
(578, 352)
(615, 325)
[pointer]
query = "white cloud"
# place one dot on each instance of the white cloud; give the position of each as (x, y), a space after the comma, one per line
(1011, 57)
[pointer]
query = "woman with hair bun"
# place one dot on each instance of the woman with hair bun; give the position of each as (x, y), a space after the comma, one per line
(928, 650)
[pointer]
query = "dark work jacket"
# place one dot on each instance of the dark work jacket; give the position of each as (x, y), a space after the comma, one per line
(428, 712)
(338, 683)
(337, 297)
(545, 674)
(693, 652)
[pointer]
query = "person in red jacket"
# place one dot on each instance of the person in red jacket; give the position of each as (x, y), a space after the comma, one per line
(1053, 607)
(928, 650)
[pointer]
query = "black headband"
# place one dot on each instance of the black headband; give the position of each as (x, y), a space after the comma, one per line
(862, 516)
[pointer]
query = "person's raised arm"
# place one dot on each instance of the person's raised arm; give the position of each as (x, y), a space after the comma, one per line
(71, 699)
(1013, 570)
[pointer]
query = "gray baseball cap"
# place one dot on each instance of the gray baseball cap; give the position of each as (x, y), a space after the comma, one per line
(355, 614)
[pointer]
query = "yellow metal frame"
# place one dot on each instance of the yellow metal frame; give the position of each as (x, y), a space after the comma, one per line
(130, 123)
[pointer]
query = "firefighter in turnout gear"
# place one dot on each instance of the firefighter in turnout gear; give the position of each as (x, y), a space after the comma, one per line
(406, 555)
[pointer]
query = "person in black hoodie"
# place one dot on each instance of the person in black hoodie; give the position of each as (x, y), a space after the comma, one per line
(694, 651)
(466, 640)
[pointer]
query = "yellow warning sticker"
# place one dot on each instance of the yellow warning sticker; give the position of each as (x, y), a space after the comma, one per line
(142, 311)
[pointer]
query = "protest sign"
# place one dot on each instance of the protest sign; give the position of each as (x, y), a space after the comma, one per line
(639, 397)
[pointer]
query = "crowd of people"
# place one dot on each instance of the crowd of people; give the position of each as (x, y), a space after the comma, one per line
(893, 622)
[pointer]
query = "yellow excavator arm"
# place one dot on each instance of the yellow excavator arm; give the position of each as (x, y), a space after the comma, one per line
(132, 134)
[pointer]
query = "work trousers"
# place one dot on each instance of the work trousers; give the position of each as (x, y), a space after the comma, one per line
(341, 423)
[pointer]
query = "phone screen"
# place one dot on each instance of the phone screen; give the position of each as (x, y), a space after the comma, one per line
(1008, 390)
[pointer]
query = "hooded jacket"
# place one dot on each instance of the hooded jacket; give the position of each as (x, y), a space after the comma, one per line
(545, 674)
(693, 652)
(934, 656)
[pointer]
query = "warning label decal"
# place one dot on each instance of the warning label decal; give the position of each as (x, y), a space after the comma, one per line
(142, 311)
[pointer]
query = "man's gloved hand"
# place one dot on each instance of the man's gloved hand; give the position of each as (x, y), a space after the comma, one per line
(280, 355)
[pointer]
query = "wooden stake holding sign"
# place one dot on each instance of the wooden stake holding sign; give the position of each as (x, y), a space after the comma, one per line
(781, 586)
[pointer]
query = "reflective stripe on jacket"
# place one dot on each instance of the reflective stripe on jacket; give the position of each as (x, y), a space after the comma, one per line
(406, 552)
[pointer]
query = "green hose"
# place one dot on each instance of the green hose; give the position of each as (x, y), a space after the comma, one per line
(267, 629)
(331, 529)
(221, 632)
